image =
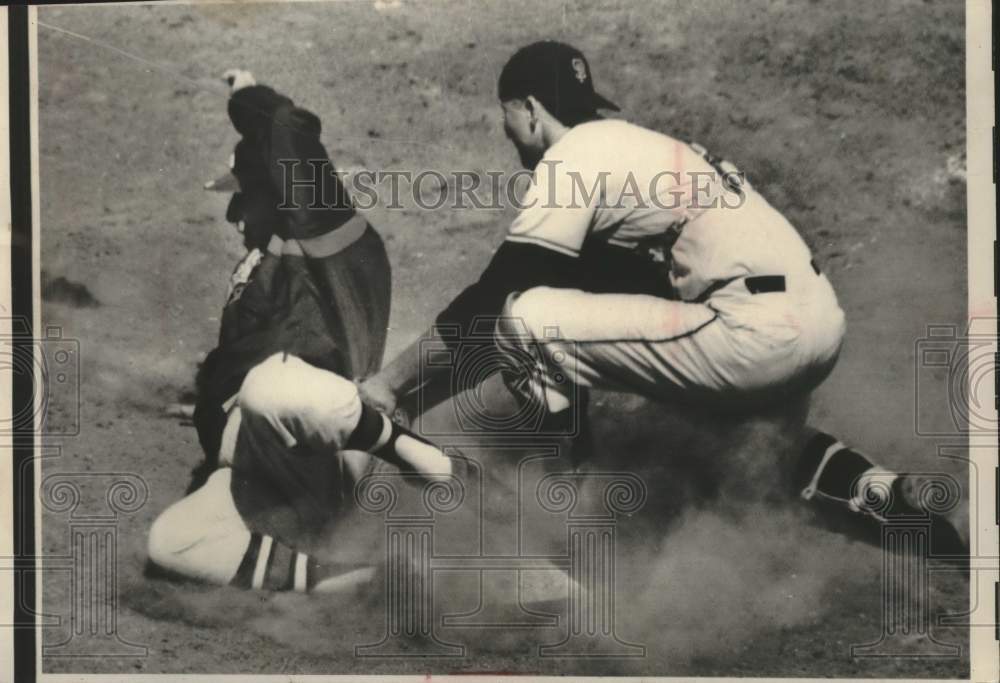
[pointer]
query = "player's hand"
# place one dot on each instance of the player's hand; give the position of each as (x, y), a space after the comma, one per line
(377, 393)
(237, 79)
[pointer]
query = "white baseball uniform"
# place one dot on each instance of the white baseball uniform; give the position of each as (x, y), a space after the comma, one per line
(753, 317)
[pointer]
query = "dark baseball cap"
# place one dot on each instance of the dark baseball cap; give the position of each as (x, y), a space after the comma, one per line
(557, 74)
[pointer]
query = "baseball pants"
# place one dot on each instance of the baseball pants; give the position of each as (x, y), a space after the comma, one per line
(290, 477)
(735, 350)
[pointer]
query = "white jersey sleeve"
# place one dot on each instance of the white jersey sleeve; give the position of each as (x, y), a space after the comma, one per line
(555, 214)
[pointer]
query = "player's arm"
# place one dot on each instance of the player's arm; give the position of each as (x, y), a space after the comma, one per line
(515, 267)
(541, 249)
(284, 141)
(314, 199)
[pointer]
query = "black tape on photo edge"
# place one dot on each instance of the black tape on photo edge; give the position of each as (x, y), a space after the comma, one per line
(996, 610)
(996, 253)
(22, 308)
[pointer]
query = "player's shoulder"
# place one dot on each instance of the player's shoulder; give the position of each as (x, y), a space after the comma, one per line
(602, 135)
(598, 128)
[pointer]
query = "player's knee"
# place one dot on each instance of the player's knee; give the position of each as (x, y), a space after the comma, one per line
(201, 536)
(527, 313)
(284, 385)
(305, 404)
(181, 544)
(262, 390)
(168, 535)
(338, 407)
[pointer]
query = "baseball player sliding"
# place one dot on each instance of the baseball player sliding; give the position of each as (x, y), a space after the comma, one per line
(277, 405)
(745, 317)
(316, 280)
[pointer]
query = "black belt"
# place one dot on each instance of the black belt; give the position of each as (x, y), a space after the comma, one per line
(755, 284)
(762, 284)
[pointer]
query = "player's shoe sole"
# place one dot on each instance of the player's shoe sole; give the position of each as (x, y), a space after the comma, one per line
(348, 581)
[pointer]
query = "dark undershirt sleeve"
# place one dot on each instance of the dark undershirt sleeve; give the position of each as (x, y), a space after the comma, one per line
(515, 267)
(315, 200)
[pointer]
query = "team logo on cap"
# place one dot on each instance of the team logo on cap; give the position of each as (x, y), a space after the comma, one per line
(580, 69)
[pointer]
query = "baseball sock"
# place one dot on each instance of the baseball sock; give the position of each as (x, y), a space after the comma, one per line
(269, 564)
(834, 471)
(398, 446)
(831, 471)
(829, 467)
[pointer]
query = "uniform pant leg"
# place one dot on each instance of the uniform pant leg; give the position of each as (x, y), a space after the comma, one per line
(641, 344)
(745, 351)
(202, 536)
(683, 353)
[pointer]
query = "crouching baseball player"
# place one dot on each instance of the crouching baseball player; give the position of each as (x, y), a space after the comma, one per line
(277, 405)
(745, 318)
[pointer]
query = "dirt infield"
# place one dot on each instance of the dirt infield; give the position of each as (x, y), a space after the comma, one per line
(848, 116)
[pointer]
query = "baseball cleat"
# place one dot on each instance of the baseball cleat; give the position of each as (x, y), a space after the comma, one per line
(929, 496)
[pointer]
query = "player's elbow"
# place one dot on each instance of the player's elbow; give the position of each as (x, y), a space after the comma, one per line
(265, 385)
